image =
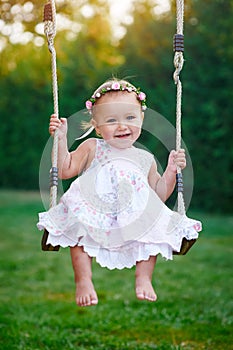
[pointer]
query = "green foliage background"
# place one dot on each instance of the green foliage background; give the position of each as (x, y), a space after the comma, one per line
(91, 55)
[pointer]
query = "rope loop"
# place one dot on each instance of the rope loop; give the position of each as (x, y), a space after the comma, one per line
(50, 23)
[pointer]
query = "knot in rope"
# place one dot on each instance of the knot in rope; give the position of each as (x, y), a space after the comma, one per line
(178, 64)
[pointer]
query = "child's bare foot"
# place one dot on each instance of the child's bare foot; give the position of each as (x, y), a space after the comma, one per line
(85, 293)
(144, 289)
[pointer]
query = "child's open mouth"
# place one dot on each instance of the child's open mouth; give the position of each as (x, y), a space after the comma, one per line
(122, 136)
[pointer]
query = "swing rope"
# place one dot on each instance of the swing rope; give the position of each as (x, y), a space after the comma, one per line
(178, 47)
(178, 64)
(50, 32)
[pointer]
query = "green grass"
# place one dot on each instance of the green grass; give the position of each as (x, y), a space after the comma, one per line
(37, 308)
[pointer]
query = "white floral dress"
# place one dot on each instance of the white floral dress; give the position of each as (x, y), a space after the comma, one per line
(114, 214)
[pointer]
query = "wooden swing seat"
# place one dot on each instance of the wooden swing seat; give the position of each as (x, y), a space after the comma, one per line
(185, 246)
(47, 246)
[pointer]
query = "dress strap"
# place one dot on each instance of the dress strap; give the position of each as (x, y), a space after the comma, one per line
(145, 159)
(100, 148)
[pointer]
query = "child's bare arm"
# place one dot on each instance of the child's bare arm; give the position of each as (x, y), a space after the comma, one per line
(70, 164)
(164, 185)
(77, 161)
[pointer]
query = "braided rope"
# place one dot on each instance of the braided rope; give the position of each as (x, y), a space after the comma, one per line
(178, 64)
(50, 32)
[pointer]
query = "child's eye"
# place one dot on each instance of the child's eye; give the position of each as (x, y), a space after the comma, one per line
(130, 117)
(111, 120)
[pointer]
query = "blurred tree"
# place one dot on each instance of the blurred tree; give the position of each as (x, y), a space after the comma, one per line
(91, 58)
(87, 56)
(208, 94)
(147, 47)
(22, 23)
(207, 85)
(84, 53)
(24, 102)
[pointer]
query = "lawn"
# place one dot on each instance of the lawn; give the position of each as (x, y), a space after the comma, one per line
(37, 309)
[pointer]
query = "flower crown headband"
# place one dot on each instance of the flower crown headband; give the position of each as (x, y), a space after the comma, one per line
(117, 86)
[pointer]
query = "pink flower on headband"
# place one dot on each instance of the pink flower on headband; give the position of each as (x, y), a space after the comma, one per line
(88, 105)
(141, 96)
(116, 86)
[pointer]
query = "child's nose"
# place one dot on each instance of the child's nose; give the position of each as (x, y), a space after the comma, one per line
(122, 126)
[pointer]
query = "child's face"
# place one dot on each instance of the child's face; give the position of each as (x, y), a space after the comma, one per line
(118, 117)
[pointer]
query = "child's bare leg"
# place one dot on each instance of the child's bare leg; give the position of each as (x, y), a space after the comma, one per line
(143, 287)
(85, 291)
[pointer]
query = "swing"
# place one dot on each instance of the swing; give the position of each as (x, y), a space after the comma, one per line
(178, 47)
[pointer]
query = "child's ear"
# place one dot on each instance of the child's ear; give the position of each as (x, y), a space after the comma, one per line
(94, 124)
